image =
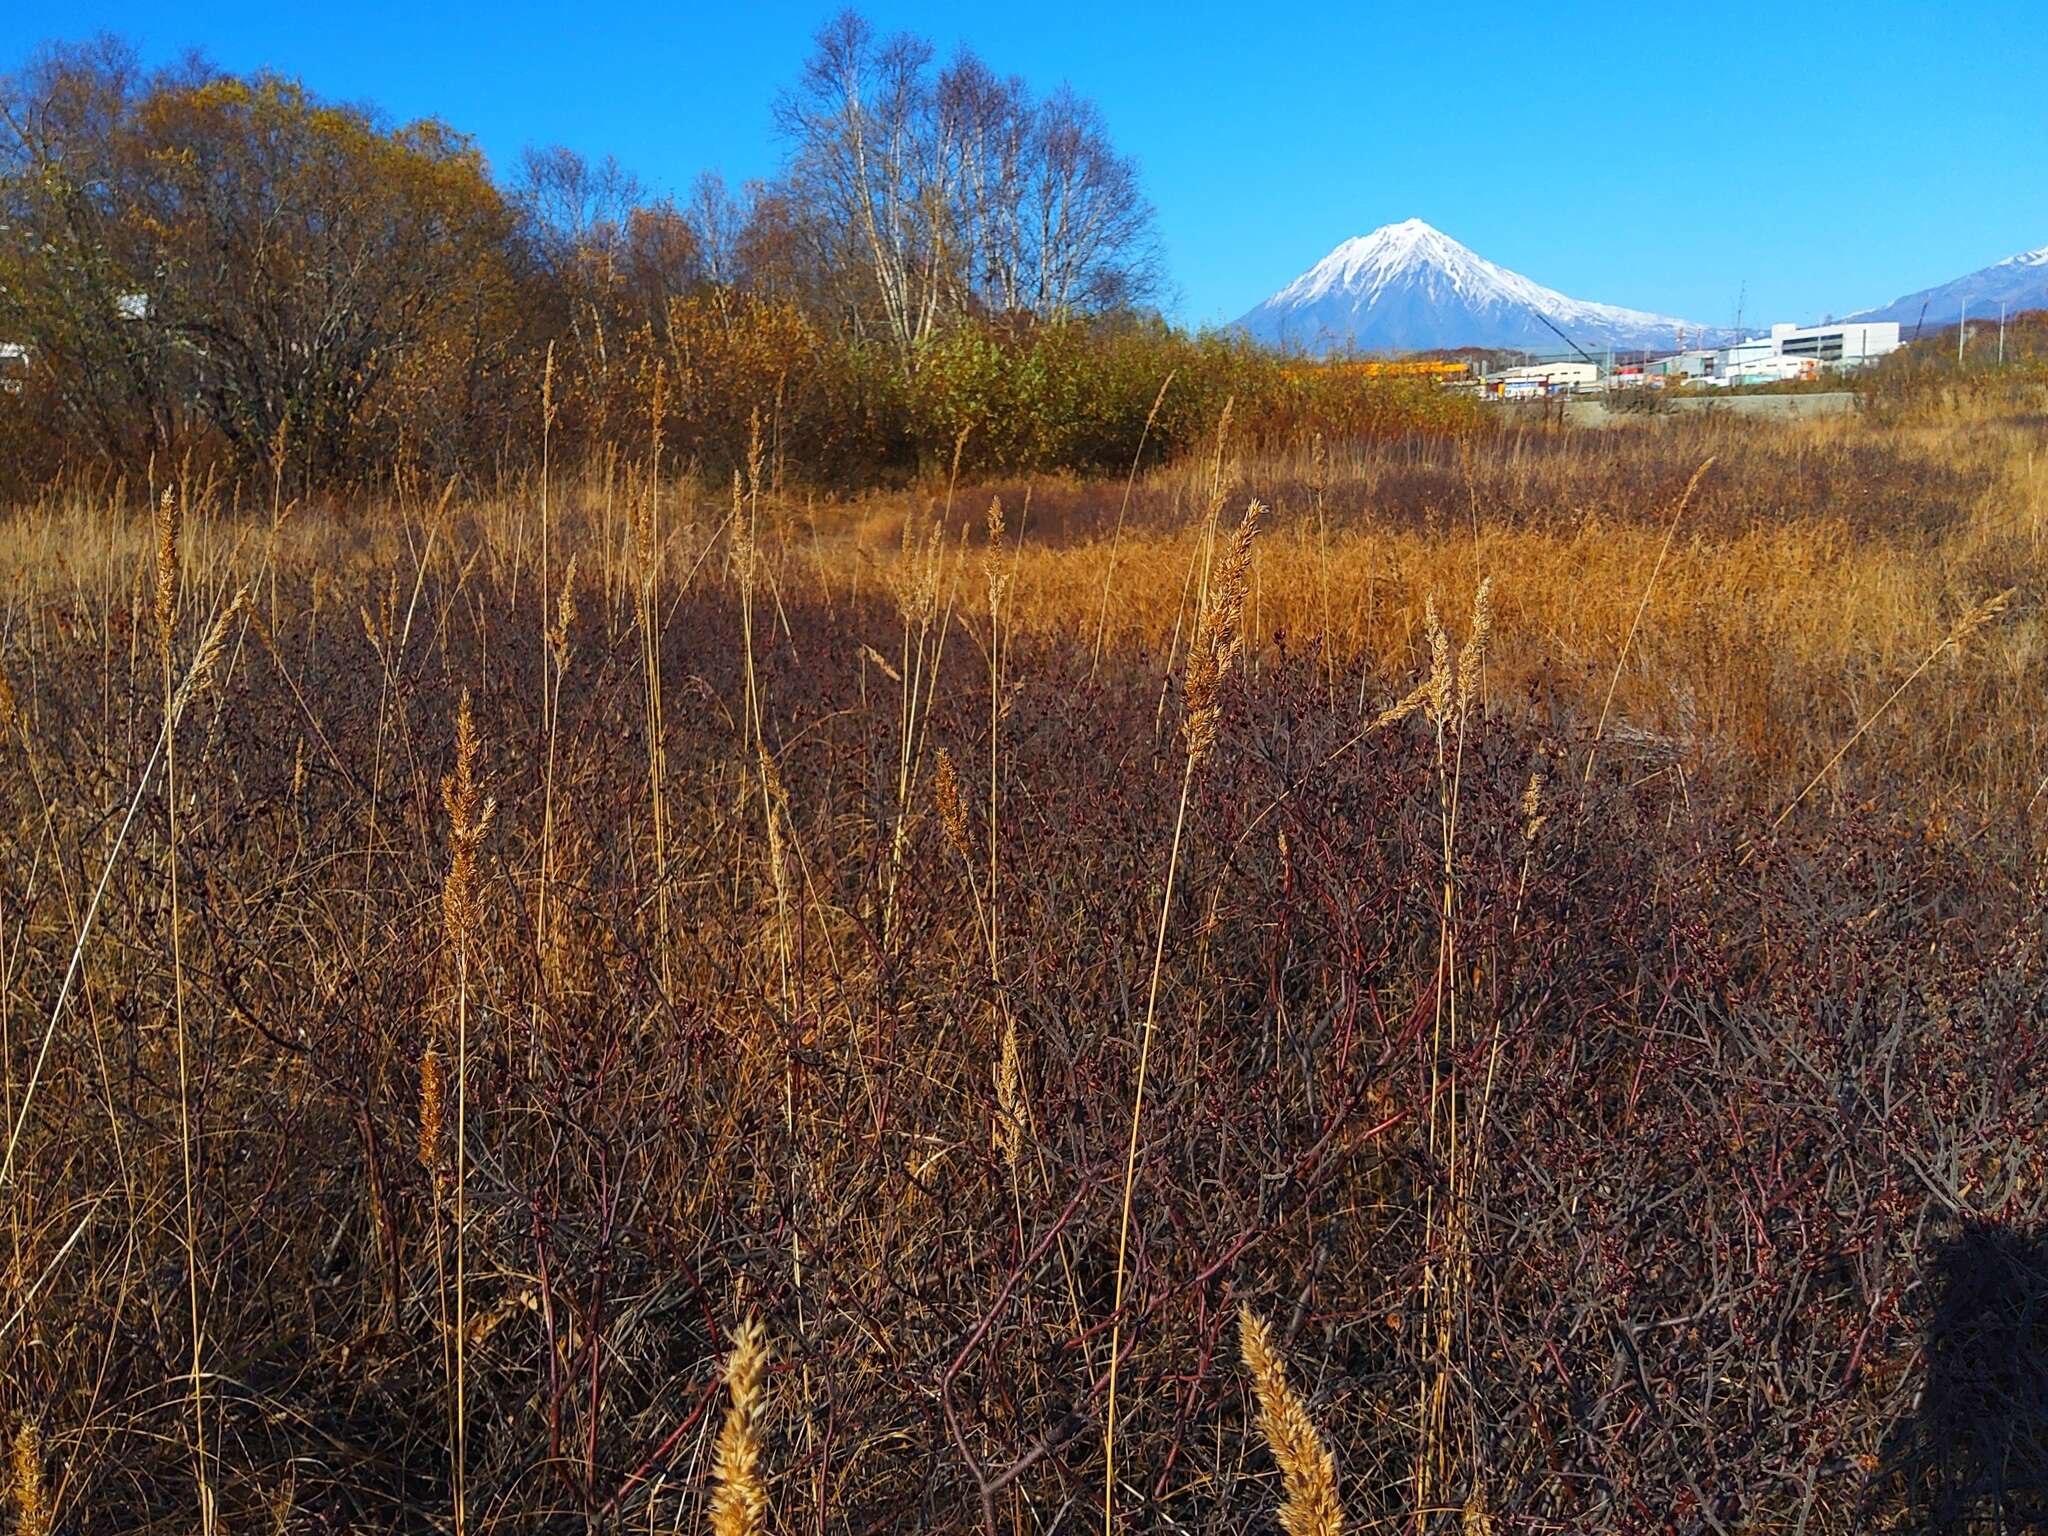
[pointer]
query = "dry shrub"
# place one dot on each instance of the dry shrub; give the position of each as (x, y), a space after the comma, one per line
(1753, 1098)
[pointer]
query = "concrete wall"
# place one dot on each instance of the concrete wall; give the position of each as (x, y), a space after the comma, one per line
(1590, 412)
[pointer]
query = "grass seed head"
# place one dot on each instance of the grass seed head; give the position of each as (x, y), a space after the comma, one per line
(31, 1499)
(952, 807)
(431, 1109)
(1307, 1473)
(1472, 656)
(1219, 637)
(1440, 685)
(754, 453)
(742, 538)
(776, 810)
(1222, 470)
(469, 814)
(565, 616)
(1406, 705)
(927, 594)
(1008, 1072)
(1977, 618)
(739, 1498)
(1533, 812)
(167, 528)
(992, 558)
(206, 660)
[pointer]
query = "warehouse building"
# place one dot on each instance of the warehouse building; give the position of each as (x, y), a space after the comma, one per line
(1788, 352)
(1846, 344)
(1538, 379)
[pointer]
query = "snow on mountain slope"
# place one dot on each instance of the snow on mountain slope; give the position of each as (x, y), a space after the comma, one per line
(2019, 282)
(1407, 287)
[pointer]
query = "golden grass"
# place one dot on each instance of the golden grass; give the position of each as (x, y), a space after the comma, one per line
(1748, 639)
(1755, 651)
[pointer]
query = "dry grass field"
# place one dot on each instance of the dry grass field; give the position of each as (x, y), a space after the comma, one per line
(1500, 991)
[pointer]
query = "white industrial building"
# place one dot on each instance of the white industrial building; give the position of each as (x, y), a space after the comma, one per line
(1843, 345)
(1699, 363)
(1535, 379)
(1788, 352)
(1802, 351)
(1753, 364)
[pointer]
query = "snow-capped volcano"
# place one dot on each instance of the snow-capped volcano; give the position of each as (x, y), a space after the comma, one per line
(2019, 282)
(1407, 286)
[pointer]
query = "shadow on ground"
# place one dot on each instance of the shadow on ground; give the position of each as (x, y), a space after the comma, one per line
(1974, 1455)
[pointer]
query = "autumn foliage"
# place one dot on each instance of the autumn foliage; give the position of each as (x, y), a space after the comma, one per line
(233, 274)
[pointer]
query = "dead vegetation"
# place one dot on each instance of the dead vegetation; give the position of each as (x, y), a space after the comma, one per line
(1472, 988)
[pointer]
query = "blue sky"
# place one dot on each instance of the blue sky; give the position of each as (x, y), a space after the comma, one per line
(1661, 154)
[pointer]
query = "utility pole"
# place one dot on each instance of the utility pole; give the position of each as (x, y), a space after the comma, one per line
(2001, 333)
(1962, 329)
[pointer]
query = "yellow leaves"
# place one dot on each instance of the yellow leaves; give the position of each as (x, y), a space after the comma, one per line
(225, 91)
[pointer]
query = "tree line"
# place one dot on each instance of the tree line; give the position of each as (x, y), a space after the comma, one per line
(200, 264)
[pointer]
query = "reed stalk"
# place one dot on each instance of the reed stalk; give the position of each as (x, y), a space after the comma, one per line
(469, 816)
(1218, 643)
(168, 520)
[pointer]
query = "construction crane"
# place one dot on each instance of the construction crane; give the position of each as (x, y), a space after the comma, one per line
(1583, 353)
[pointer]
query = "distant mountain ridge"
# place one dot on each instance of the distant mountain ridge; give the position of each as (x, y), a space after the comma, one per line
(2019, 283)
(1411, 287)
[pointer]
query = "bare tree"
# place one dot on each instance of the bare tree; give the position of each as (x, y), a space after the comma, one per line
(570, 203)
(717, 222)
(934, 194)
(1090, 226)
(991, 129)
(856, 121)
